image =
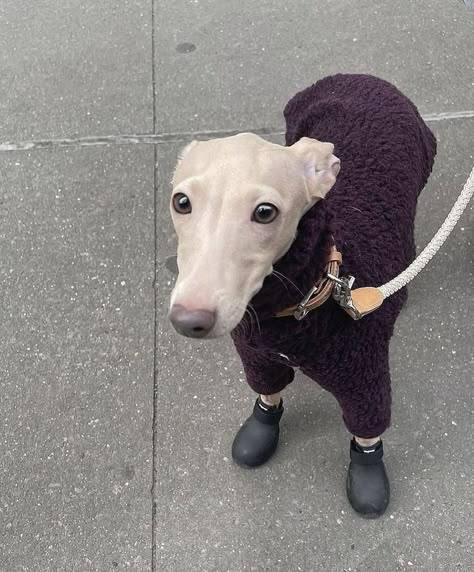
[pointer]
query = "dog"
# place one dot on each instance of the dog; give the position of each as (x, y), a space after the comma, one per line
(256, 223)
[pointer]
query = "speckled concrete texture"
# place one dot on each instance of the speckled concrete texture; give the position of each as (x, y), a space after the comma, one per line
(76, 351)
(421, 46)
(72, 69)
(115, 432)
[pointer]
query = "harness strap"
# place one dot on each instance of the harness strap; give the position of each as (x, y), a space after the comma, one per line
(320, 292)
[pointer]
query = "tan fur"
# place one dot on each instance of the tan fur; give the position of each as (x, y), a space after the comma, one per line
(224, 256)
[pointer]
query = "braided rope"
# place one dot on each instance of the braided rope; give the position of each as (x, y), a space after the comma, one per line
(435, 244)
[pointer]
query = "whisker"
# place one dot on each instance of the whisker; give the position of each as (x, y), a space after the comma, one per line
(251, 322)
(240, 328)
(256, 318)
(245, 324)
(277, 276)
(280, 276)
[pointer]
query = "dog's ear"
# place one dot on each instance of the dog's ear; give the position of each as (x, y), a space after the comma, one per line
(182, 154)
(320, 165)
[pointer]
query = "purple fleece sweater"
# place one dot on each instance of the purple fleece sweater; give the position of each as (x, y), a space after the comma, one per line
(386, 153)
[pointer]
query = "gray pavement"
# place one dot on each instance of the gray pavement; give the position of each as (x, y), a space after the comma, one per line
(116, 433)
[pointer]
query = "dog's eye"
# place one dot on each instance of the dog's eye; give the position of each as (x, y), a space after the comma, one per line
(265, 213)
(181, 203)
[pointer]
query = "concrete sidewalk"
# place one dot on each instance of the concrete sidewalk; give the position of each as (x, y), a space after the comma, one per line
(116, 433)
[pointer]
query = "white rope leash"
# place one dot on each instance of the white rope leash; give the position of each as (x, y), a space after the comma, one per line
(435, 244)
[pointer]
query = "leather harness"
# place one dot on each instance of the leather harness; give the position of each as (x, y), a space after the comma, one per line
(357, 303)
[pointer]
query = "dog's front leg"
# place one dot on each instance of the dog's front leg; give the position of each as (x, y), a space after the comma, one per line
(361, 384)
(272, 400)
(257, 439)
(367, 442)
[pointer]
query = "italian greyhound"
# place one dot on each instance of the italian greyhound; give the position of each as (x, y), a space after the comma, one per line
(245, 209)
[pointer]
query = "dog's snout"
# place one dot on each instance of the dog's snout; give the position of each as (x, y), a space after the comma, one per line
(192, 323)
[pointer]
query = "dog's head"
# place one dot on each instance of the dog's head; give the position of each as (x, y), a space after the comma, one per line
(236, 204)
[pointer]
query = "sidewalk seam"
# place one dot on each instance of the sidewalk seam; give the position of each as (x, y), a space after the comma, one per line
(155, 324)
(178, 137)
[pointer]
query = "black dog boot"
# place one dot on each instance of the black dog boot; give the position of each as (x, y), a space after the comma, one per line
(367, 485)
(257, 439)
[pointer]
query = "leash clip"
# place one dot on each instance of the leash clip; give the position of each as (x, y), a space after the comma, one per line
(342, 293)
(302, 309)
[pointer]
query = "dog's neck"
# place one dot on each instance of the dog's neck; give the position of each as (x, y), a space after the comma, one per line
(302, 265)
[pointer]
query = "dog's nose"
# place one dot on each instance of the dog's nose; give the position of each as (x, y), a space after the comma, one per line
(192, 323)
